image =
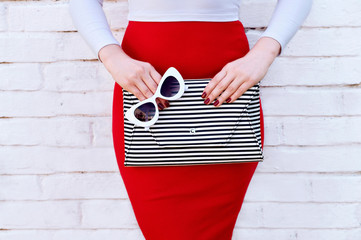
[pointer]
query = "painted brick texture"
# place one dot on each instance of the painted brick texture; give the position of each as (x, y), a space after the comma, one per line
(58, 172)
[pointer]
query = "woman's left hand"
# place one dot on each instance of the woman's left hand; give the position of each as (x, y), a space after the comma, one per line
(238, 76)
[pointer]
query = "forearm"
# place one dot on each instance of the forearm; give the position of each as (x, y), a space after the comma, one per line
(90, 21)
(286, 19)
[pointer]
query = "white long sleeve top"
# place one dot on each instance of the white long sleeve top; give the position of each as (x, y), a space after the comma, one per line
(90, 21)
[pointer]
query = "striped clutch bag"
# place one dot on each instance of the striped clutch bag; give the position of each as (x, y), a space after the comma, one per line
(190, 132)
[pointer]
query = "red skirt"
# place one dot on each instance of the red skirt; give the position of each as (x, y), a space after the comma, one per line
(184, 202)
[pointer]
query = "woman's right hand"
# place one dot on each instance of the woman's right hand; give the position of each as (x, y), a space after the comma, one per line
(138, 77)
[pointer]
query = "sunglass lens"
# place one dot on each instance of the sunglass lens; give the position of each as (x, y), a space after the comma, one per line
(170, 87)
(145, 112)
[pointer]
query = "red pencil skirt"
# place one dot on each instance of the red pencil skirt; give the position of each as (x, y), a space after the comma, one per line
(184, 202)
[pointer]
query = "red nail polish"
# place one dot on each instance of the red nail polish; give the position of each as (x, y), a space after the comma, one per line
(216, 103)
(228, 100)
(206, 101)
(161, 106)
(204, 94)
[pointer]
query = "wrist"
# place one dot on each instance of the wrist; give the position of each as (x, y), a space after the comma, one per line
(268, 47)
(109, 52)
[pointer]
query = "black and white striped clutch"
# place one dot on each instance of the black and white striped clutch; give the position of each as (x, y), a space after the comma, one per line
(190, 132)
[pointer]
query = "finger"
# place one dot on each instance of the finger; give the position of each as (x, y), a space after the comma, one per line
(231, 89)
(222, 85)
(157, 77)
(141, 97)
(143, 87)
(213, 83)
(148, 87)
(150, 82)
(160, 104)
(136, 92)
(240, 91)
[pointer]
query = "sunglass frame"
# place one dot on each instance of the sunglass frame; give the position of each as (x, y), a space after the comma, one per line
(130, 114)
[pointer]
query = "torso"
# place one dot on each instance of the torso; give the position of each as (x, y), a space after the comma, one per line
(185, 10)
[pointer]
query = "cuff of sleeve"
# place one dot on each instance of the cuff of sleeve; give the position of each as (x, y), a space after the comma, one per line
(102, 44)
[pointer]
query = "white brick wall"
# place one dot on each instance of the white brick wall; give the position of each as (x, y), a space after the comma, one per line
(58, 172)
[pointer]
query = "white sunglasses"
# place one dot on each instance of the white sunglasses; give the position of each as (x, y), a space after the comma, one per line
(145, 113)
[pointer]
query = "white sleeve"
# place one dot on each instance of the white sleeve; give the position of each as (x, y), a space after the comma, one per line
(90, 21)
(286, 19)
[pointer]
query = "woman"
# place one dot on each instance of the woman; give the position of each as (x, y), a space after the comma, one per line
(201, 39)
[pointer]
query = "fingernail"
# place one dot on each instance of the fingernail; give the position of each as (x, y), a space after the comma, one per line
(206, 101)
(216, 103)
(204, 94)
(166, 103)
(160, 106)
(228, 100)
